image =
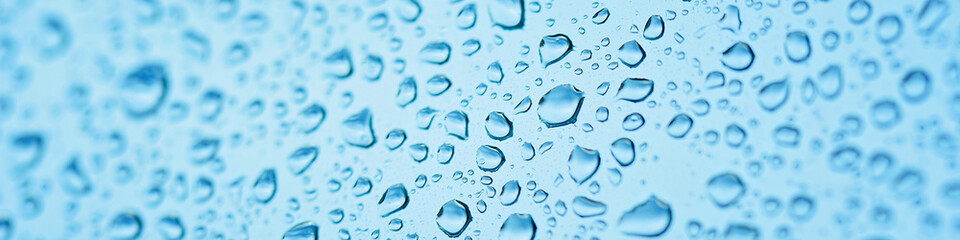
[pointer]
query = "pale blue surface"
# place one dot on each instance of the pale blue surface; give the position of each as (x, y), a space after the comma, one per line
(204, 119)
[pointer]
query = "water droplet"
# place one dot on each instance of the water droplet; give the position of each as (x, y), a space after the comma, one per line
(362, 186)
(859, 11)
(885, 114)
(453, 218)
(915, 86)
(358, 129)
(395, 138)
(679, 125)
(633, 122)
(889, 29)
(635, 89)
(650, 218)
(302, 158)
(494, 73)
(601, 16)
(773, 96)
(456, 124)
(830, 83)
(408, 10)
(510, 192)
(507, 14)
(586, 207)
(393, 200)
(623, 151)
(518, 226)
(583, 163)
(338, 64)
(467, 16)
(310, 118)
(715, 80)
(553, 48)
(725, 189)
(302, 231)
(436, 53)
(126, 225)
(631, 54)
(498, 126)
(438, 84)
(489, 158)
(797, 46)
(266, 186)
(145, 89)
(738, 57)
(172, 228)
(653, 29)
(407, 92)
(560, 106)
(418, 152)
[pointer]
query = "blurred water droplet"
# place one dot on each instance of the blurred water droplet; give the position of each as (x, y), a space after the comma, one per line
(266, 186)
(653, 29)
(358, 129)
(586, 207)
(302, 231)
(650, 218)
(507, 14)
(725, 189)
(518, 226)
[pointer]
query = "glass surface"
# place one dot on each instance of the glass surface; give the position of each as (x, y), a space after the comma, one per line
(467, 119)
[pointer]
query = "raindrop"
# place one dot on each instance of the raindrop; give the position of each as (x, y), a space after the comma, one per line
(395, 138)
(266, 186)
(650, 218)
(310, 118)
(436, 53)
(125, 226)
(498, 126)
(915, 86)
(518, 226)
(456, 124)
(302, 158)
(725, 189)
(453, 218)
(586, 207)
(859, 11)
(601, 16)
(830, 83)
(393, 200)
(560, 106)
(679, 125)
(797, 46)
(509, 193)
(631, 54)
(302, 231)
(653, 29)
(358, 129)
(338, 64)
(406, 92)
(738, 57)
(623, 151)
(633, 122)
(772, 96)
(553, 48)
(467, 16)
(489, 158)
(635, 89)
(145, 89)
(583, 163)
(438, 84)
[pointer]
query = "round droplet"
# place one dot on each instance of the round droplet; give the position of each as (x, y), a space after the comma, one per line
(582, 163)
(507, 14)
(633, 122)
(510, 192)
(623, 151)
(679, 125)
(145, 89)
(498, 126)
(560, 106)
(653, 29)
(797, 46)
(518, 226)
(725, 189)
(453, 218)
(302, 158)
(915, 86)
(436, 53)
(489, 158)
(738, 57)
(632, 54)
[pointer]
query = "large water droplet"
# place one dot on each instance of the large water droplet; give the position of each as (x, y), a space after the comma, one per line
(438, 84)
(725, 189)
(456, 124)
(358, 129)
(586, 207)
(635, 89)
(653, 29)
(560, 106)
(435, 52)
(631, 54)
(453, 218)
(302, 158)
(489, 158)
(679, 125)
(126, 225)
(145, 89)
(651, 218)
(582, 163)
(302, 231)
(553, 48)
(518, 226)
(772, 96)
(498, 126)
(507, 14)
(407, 92)
(266, 186)
(510, 192)
(915, 86)
(797, 46)
(393, 200)
(738, 57)
(623, 151)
